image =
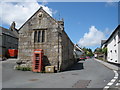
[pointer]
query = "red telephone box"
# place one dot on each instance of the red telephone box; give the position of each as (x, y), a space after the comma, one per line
(37, 60)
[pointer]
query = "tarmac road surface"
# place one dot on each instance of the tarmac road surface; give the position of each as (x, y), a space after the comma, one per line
(84, 74)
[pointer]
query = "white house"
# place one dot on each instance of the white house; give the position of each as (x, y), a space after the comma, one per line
(78, 52)
(113, 46)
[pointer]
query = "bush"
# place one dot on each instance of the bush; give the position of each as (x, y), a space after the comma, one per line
(23, 68)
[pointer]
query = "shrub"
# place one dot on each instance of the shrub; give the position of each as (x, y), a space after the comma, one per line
(23, 68)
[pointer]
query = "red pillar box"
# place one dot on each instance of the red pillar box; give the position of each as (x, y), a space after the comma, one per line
(12, 52)
(37, 60)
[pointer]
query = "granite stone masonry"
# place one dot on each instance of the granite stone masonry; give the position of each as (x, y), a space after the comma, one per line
(41, 31)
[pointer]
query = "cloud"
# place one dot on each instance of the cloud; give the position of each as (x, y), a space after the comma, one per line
(20, 11)
(92, 38)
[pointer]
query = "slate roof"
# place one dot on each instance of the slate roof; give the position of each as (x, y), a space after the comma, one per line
(9, 32)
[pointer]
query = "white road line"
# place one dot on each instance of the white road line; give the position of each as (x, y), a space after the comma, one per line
(112, 81)
(116, 74)
(107, 87)
(115, 77)
(118, 84)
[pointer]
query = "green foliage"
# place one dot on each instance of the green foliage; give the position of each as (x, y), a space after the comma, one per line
(23, 68)
(98, 50)
(104, 50)
(101, 51)
(88, 52)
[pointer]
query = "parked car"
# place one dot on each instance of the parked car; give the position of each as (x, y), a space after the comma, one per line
(87, 57)
(82, 58)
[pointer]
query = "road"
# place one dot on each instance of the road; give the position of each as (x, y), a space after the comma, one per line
(84, 74)
(116, 85)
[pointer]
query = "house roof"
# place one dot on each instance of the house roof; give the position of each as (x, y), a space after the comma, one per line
(41, 8)
(103, 42)
(118, 28)
(77, 47)
(9, 32)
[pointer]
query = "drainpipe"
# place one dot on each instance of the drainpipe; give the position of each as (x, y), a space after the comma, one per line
(58, 54)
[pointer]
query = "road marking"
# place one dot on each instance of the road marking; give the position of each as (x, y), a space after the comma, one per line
(112, 81)
(106, 87)
(118, 84)
(115, 77)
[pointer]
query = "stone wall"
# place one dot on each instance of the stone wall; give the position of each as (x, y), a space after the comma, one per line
(67, 52)
(58, 49)
(26, 38)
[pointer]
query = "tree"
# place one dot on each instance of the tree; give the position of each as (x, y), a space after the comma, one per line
(98, 50)
(104, 50)
(88, 52)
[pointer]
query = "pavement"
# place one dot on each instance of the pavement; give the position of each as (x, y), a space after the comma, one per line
(84, 74)
(110, 66)
(114, 84)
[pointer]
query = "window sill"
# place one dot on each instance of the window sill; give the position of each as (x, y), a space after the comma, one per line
(40, 43)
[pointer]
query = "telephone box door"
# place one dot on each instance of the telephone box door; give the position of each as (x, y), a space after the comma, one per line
(37, 60)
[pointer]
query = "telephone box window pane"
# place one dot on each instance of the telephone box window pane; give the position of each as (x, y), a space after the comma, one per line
(39, 33)
(43, 36)
(37, 56)
(35, 36)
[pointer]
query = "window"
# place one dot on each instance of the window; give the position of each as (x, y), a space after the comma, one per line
(43, 36)
(35, 36)
(111, 51)
(39, 32)
(39, 36)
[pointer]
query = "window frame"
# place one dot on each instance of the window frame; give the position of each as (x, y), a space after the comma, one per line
(40, 38)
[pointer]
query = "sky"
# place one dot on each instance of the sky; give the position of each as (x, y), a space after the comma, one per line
(86, 23)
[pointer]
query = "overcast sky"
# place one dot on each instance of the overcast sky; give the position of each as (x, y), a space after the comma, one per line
(86, 23)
